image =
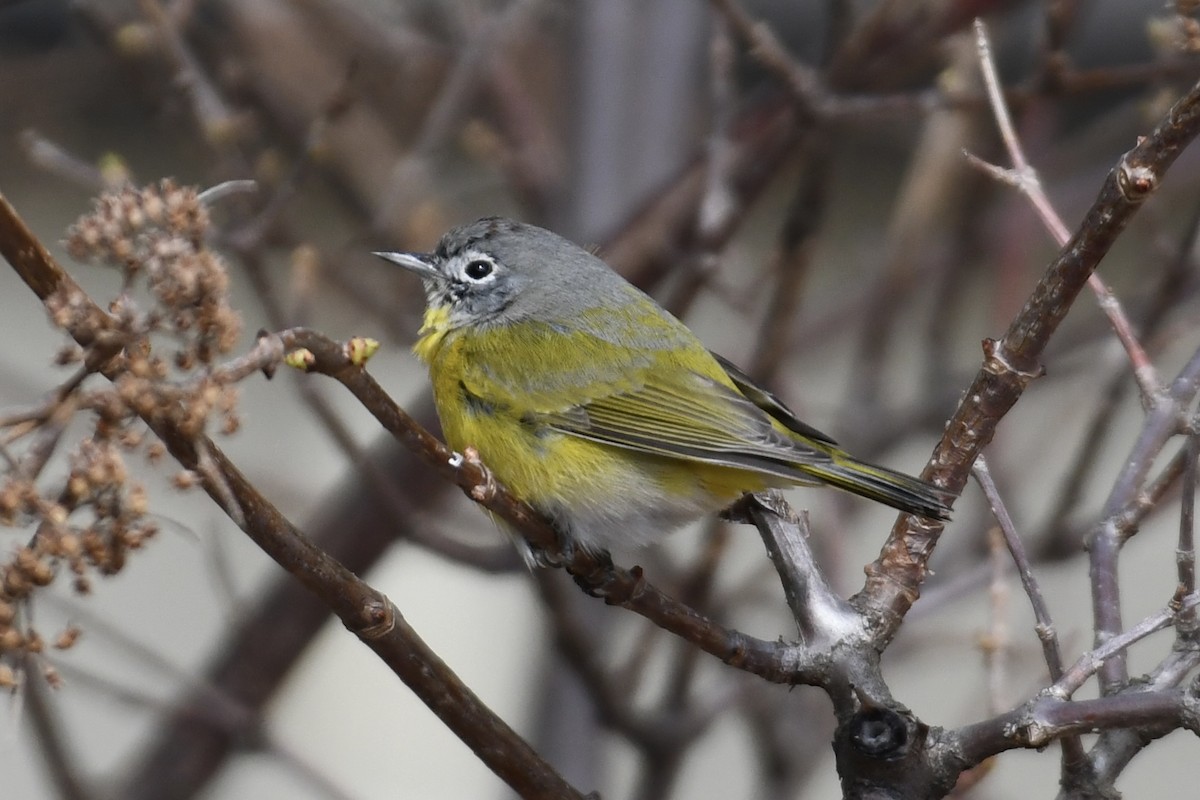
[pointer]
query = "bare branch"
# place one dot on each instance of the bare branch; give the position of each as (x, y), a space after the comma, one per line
(1185, 551)
(626, 588)
(1107, 538)
(1045, 719)
(822, 617)
(61, 762)
(1045, 629)
(1091, 662)
(1026, 179)
(803, 84)
(370, 615)
(1010, 364)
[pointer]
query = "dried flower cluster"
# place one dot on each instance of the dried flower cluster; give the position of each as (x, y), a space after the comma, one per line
(174, 299)
(94, 519)
(159, 232)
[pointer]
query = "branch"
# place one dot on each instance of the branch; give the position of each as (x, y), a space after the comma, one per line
(369, 614)
(1045, 628)
(62, 762)
(775, 661)
(894, 579)
(1091, 662)
(1109, 536)
(1185, 551)
(1045, 719)
(821, 616)
(1026, 179)
(802, 83)
(1072, 754)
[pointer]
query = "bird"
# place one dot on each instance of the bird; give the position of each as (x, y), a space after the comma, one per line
(600, 409)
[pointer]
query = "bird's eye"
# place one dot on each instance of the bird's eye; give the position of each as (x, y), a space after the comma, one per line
(478, 269)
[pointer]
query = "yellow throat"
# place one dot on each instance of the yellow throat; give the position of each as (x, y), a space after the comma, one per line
(434, 327)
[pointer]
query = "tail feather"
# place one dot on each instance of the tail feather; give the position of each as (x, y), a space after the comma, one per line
(900, 491)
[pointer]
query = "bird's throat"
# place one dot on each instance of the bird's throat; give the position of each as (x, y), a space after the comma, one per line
(434, 328)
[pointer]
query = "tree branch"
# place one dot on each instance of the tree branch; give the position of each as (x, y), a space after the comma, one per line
(367, 613)
(1010, 364)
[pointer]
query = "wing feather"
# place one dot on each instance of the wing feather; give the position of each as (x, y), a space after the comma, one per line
(636, 392)
(769, 403)
(701, 420)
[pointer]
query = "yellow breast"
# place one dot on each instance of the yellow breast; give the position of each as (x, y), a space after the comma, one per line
(601, 493)
(535, 463)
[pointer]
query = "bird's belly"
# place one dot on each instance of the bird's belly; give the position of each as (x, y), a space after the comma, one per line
(601, 496)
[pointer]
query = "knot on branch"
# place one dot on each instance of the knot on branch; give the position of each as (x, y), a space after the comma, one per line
(1136, 181)
(1030, 733)
(602, 579)
(880, 747)
(380, 617)
(996, 362)
(879, 733)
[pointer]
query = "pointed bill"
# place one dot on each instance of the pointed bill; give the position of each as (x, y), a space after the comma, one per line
(419, 263)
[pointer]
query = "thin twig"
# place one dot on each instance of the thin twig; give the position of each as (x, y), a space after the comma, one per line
(1108, 537)
(995, 642)
(790, 267)
(715, 205)
(1045, 718)
(1025, 178)
(1090, 663)
(803, 83)
(410, 173)
(1047, 633)
(718, 212)
(1060, 18)
(579, 648)
(223, 713)
(1010, 364)
(58, 161)
(930, 198)
(217, 122)
(62, 763)
(1185, 551)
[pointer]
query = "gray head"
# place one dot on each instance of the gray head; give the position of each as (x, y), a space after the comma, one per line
(497, 271)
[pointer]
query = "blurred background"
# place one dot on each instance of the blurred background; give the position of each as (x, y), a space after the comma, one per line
(812, 217)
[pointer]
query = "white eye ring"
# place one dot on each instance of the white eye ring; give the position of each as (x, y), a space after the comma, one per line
(478, 269)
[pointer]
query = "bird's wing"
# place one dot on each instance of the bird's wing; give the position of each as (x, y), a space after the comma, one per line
(634, 391)
(695, 418)
(769, 403)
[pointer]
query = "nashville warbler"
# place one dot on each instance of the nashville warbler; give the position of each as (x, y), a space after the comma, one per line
(596, 406)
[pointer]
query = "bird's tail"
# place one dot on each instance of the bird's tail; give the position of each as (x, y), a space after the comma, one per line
(900, 491)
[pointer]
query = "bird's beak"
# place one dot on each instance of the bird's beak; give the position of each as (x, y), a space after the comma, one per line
(420, 263)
